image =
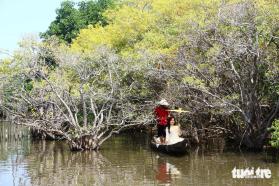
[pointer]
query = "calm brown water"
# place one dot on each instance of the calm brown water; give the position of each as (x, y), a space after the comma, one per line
(123, 160)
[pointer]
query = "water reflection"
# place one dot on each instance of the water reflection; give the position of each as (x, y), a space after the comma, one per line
(12, 150)
(114, 164)
(166, 171)
(53, 160)
(123, 160)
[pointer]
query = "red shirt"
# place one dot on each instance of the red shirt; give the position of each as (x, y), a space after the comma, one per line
(161, 114)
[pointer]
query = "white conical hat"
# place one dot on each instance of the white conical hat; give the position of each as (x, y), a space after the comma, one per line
(163, 102)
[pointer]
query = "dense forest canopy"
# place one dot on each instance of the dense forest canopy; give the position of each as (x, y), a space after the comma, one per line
(217, 59)
(71, 17)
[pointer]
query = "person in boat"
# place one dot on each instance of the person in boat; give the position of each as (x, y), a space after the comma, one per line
(173, 131)
(161, 114)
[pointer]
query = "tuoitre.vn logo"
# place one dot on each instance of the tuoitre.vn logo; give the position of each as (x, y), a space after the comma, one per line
(251, 173)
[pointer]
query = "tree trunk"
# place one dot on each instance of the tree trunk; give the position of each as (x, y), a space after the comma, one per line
(257, 131)
(83, 105)
(253, 141)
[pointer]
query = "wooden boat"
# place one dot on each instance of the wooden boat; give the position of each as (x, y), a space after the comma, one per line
(178, 148)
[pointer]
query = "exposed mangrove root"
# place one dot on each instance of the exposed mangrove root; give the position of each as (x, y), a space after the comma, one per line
(2, 114)
(86, 142)
(192, 135)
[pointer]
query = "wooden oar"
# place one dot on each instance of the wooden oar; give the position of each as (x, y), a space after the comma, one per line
(178, 110)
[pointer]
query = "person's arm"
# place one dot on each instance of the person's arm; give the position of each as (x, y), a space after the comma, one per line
(156, 114)
(179, 130)
(169, 113)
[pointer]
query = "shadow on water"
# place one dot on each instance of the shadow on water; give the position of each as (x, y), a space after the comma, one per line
(124, 160)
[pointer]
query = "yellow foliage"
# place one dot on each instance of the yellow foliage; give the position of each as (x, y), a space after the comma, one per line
(5, 66)
(151, 25)
(127, 25)
(155, 26)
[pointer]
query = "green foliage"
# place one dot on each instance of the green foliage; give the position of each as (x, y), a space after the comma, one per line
(71, 17)
(194, 82)
(28, 85)
(275, 134)
(92, 11)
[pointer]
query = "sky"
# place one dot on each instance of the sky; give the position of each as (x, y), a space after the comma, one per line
(19, 18)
